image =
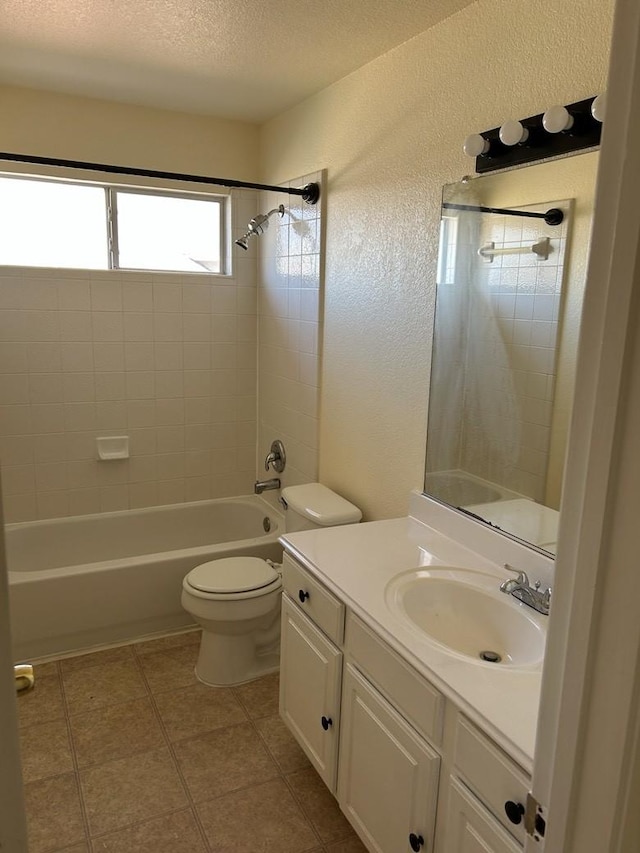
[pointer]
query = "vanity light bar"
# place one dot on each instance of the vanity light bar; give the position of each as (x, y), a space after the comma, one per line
(553, 216)
(559, 130)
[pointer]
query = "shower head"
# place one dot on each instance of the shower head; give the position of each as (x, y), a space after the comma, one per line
(258, 226)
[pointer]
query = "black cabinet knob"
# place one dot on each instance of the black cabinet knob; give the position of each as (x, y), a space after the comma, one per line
(302, 595)
(416, 841)
(326, 722)
(514, 811)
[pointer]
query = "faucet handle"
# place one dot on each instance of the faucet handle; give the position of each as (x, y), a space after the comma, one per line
(522, 579)
(276, 457)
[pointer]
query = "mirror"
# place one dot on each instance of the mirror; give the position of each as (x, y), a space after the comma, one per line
(508, 309)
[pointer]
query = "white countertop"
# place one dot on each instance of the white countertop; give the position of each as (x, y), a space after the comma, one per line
(357, 561)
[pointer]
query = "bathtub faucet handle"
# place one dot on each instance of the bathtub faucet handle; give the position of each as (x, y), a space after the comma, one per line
(276, 457)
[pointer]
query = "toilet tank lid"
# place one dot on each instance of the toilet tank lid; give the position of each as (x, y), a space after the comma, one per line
(320, 505)
(232, 574)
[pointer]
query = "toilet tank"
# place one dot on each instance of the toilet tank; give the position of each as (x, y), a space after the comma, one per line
(312, 506)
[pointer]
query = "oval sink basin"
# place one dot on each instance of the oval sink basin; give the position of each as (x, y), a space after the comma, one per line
(465, 612)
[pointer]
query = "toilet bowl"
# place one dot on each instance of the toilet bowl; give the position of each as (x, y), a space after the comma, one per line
(236, 600)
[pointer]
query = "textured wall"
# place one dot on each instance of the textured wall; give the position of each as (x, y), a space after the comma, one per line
(74, 128)
(390, 136)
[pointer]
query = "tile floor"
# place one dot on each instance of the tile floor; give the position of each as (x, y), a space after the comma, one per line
(123, 751)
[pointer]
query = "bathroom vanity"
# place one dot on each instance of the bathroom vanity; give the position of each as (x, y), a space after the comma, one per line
(425, 745)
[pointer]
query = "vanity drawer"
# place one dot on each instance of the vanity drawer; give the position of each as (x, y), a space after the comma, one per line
(491, 775)
(317, 602)
(410, 693)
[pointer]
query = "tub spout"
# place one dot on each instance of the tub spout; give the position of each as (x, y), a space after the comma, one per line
(261, 486)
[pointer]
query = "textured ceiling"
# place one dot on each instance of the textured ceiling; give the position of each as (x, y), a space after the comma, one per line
(238, 59)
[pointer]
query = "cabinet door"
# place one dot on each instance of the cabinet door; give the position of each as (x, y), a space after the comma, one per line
(471, 829)
(310, 673)
(388, 775)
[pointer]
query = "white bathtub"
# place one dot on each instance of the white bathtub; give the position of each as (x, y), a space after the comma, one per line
(95, 579)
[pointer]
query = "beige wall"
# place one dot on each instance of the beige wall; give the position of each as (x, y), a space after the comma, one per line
(389, 136)
(73, 128)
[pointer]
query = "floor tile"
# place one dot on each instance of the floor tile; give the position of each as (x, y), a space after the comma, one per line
(174, 833)
(172, 641)
(319, 805)
(351, 845)
(116, 655)
(50, 667)
(42, 704)
(224, 761)
(198, 709)
(45, 750)
(171, 669)
(260, 697)
(54, 816)
(281, 744)
(117, 731)
(130, 790)
(101, 685)
(264, 817)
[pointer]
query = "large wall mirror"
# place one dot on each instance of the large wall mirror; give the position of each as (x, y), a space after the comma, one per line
(508, 309)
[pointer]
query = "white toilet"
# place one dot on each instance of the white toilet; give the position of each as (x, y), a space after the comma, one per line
(236, 600)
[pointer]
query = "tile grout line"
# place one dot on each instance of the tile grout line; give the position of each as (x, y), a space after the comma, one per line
(183, 782)
(74, 758)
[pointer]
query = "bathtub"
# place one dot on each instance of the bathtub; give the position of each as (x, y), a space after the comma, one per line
(98, 579)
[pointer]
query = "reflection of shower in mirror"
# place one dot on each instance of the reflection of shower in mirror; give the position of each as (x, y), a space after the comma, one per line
(505, 338)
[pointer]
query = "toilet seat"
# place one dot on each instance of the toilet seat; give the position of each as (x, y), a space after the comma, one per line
(232, 576)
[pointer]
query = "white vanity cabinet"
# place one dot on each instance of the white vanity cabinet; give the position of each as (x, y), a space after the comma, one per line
(388, 775)
(470, 827)
(310, 682)
(386, 742)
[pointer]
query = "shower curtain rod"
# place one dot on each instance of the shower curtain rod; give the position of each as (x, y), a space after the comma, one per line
(310, 192)
(553, 216)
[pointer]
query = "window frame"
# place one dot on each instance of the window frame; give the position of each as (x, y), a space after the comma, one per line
(111, 215)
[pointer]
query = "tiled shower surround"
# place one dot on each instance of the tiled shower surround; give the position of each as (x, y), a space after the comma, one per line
(168, 359)
(123, 751)
(290, 311)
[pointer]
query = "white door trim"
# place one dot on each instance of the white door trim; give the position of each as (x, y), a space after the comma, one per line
(590, 682)
(13, 830)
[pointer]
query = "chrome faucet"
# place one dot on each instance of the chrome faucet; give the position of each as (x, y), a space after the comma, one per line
(261, 486)
(521, 589)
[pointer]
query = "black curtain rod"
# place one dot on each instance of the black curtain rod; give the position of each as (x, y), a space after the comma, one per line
(310, 192)
(553, 216)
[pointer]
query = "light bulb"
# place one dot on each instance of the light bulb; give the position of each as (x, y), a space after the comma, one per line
(599, 107)
(513, 133)
(557, 119)
(475, 145)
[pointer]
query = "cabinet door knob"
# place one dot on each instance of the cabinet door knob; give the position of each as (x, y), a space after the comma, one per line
(326, 722)
(302, 595)
(416, 841)
(514, 811)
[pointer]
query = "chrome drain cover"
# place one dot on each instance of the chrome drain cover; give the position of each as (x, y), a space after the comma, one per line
(489, 656)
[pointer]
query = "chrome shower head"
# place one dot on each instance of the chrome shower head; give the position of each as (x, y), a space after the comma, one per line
(258, 226)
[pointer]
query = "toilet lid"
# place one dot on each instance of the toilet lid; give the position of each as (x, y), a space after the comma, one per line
(232, 574)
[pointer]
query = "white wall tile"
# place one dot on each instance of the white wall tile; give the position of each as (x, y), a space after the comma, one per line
(84, 354)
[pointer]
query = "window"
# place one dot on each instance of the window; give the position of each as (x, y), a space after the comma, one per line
(46, 223)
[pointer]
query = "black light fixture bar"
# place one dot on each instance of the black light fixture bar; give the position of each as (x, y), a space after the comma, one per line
(553, 216)
(310, 192)
(540, 144)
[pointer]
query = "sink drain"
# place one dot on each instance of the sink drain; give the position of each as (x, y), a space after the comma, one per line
(490, 657)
